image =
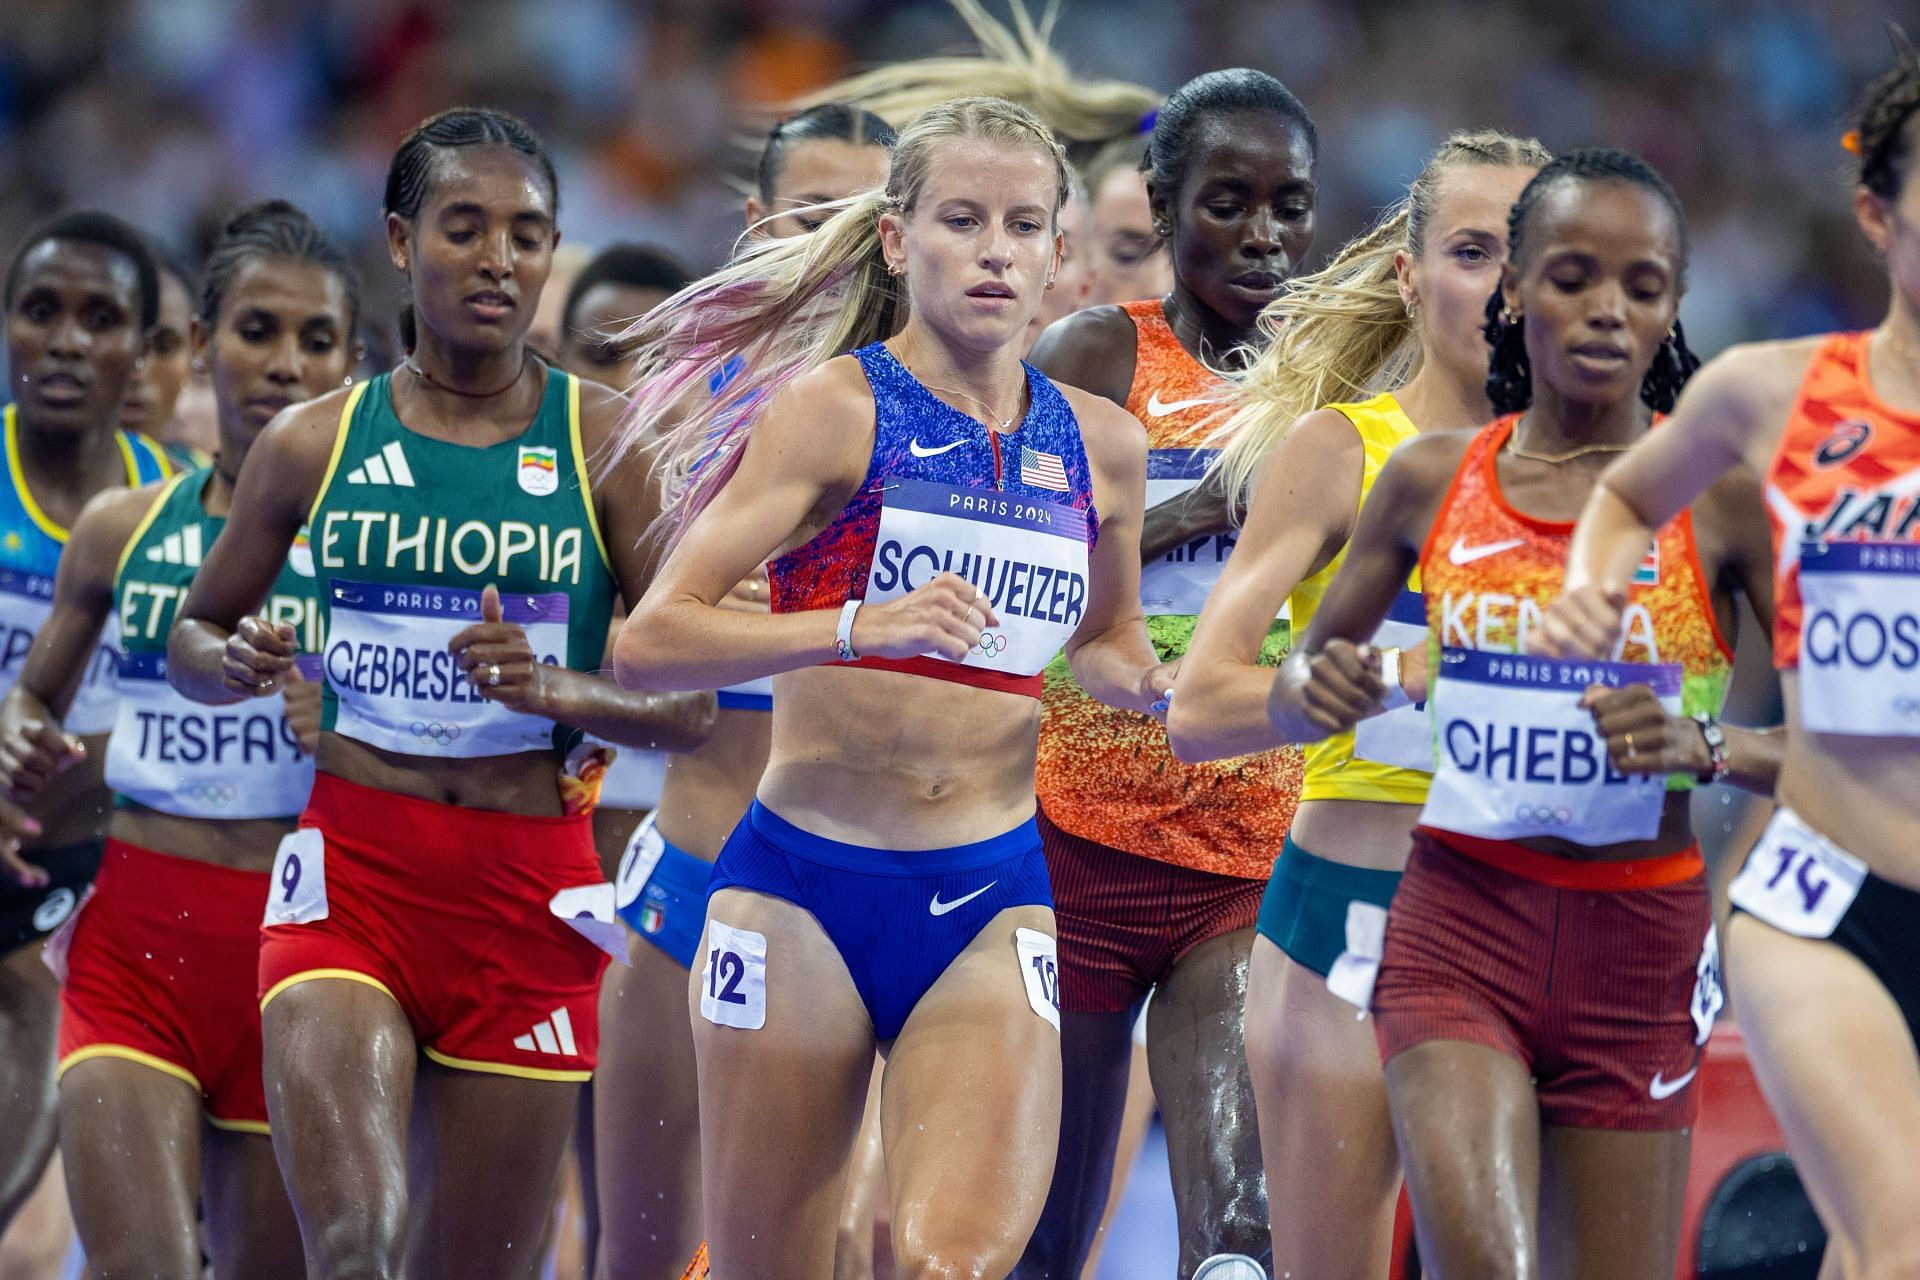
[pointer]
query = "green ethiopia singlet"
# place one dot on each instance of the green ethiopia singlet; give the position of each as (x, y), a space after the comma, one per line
(237, 761)
(407, 532)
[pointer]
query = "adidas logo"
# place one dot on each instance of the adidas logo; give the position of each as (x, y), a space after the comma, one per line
(389, 466)
(549, 1035)
(179, 547)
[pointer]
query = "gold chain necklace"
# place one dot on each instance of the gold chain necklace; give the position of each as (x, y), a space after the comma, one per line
(1569, 455)
(1005, 424)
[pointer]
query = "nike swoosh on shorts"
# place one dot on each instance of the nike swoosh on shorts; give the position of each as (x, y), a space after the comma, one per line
(939, 908)
(1662, 1088)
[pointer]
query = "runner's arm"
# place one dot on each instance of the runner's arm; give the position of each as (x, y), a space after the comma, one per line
(1109, 651)
(1304, 503)
(218, 652)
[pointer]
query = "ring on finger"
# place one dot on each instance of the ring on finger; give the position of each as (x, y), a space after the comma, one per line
(1630, 751)
(493, 673)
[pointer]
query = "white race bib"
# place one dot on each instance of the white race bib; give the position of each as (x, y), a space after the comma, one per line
(1860, 638)
(1517, 756)
(634, 779)
(1028, 557)
(401, 689)
(733, 984)
(1040, 970)
(1355, 968)
(26, 602)
(1179, 582)
(237, 761)
(1402, 737)
(643, 853)
(298, 894)
(1796, 879)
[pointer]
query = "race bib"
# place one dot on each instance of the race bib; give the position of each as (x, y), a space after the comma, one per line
(1040, 968)
(1797, 880)
(1403, 737)
(634, 779)
(26, 602)
(400, 688)
(1860, 638)
(1355, 968)
(1179, 582)
(733, 985)
(643, 854)
(298, 893)
(241, 760)
(588, 911)
(1028, 557)
(1517, 756)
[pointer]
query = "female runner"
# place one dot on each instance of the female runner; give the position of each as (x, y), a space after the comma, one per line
(163, 371)
(1410, 293)
(887, 885)
(160, 1025)
(80, 294)
(647, 1123)
(438, 898)
(1549, 971)
(1130, 261)
(1821, 942)
(1157, 867)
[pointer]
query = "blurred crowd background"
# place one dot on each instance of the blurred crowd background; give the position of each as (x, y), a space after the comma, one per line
(173, 112)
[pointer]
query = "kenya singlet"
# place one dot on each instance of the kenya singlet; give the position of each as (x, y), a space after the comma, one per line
(30, 547)
(184, 758)
(406, 534)
(1108, 775)
(1489, 571)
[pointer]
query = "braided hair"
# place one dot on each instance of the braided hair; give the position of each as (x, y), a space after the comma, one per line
(272, 229)
(1509, 372)
(1885, 144)
(410, 176)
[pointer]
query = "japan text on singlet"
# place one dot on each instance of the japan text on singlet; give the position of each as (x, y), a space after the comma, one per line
(237, 761)
(1389, 757)
(409, 530)
(1843, 495)
(30, 546)
(1515, 755)
(1011, 513)
(1108, 775)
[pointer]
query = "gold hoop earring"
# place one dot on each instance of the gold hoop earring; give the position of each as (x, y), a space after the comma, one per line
(1507, 317)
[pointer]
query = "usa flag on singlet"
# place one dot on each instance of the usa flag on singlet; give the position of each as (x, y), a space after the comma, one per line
(1042, 470)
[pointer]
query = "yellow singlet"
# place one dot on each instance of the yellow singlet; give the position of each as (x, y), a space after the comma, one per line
(1334, 771)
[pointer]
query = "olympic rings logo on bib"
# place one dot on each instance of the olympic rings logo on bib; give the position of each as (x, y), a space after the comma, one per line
(991, 645)
(1545, 815)
(217, 795)
(433, 733)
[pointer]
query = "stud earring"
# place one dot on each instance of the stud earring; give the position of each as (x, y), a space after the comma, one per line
(200, 364)
(1507, 317)
(347, 381)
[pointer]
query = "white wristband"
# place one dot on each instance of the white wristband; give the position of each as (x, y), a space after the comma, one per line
(843, 634)
(1396, 696)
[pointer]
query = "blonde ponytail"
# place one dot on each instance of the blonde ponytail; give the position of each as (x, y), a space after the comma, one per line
(1343, 332)
(1014, 63)
(709, 357)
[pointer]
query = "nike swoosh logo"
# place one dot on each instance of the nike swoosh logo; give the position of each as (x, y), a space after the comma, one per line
(1158, 408)
(920, 451)
(1662, 1088)
(939, 908)
(1461, 553)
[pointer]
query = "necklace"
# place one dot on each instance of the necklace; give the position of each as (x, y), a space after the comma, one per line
(414, 368)
(1568, 456)
(1005, 424)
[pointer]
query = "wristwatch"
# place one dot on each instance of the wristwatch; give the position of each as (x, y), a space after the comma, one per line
(1716, 738)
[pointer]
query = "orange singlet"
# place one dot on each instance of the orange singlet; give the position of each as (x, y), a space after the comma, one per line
(1107, 775)
(1847, 470)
